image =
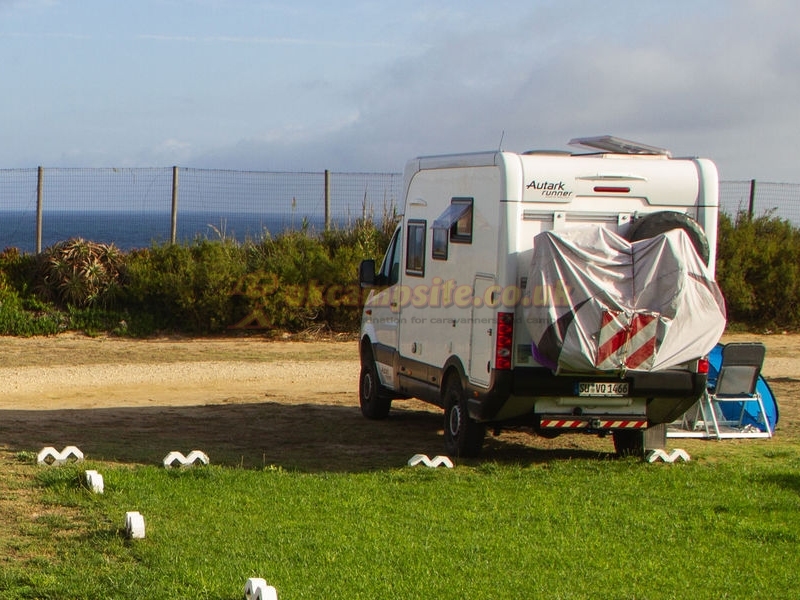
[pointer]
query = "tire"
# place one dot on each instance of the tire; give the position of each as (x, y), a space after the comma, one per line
(628, 442)
(375, 403)
(463, 436)
(660, 222)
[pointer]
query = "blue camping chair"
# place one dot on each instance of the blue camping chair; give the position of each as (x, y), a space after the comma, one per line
(736, 382)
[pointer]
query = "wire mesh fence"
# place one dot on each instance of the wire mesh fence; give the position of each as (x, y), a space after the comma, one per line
(758, 198)
(136, 207)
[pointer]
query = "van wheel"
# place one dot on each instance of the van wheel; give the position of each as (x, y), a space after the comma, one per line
(628, 442)
(375, 404)
(660, 222)
(463, 436)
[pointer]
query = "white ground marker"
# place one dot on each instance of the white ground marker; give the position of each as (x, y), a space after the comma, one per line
(257, 589)
(94, 481)
(658, 454)
(194, 457)
(134, 525)
(435, 462)
(51, 456)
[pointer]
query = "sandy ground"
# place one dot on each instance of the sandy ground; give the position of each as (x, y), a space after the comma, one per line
(242, 401)
(248, 401)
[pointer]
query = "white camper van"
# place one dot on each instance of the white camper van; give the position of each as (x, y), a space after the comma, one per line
(566, 292)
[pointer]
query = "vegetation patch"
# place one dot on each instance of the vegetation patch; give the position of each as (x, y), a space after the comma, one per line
(758, 269)
(302, 280)
(293, 282)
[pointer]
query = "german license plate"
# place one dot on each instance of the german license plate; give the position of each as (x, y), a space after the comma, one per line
(604, 388)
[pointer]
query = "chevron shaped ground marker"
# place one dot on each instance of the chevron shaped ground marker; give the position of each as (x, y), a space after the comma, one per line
(660, 455)
(437, 461)
(257, 589)
(51, 456)
(194, 457)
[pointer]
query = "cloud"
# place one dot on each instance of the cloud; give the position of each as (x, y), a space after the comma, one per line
(46, 35)
(28, 4)
(171, 151)
(718, 81)
(261, 40)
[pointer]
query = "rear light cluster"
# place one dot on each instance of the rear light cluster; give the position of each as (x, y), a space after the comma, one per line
(702, 366)
(504, 341)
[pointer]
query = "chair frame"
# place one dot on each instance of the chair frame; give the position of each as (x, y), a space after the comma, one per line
(737, 380)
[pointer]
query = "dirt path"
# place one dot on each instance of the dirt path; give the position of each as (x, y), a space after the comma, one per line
(247, 401)
(243, 401)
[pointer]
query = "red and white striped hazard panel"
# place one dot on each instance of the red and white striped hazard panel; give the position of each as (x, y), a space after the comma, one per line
(568, 423)
(627, 340)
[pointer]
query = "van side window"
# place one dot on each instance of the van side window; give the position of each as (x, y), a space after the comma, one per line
(439, 243)
(453, 225)
(415, 249)
(461, 231)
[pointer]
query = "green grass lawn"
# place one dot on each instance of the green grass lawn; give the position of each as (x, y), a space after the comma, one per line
(725, 525)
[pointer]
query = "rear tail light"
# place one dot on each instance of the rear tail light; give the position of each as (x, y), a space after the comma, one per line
(702, 366)
(504, 341)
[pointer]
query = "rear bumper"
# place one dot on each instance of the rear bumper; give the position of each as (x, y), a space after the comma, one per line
(668, 393)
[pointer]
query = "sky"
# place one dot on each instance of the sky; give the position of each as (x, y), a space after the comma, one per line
(362, 85)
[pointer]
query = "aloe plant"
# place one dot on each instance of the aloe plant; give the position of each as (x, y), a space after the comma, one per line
(81, 273)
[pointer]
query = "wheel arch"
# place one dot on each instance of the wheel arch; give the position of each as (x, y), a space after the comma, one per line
(453, 367)
(365, 349)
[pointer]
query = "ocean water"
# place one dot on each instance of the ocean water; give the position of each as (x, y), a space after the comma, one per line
(129, 230)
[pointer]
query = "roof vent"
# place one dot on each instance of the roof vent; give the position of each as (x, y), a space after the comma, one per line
(609, 143)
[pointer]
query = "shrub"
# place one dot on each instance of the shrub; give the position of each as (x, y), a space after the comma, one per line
(17, 271)
(285, 278)
(185, 287)
(25, 319)
(758, 270)
(347, 248)
(298, 280)
(22, 313)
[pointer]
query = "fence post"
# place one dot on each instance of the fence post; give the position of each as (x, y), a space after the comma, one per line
(327, 200)
(751, 208)
(173, 235)
(39, 205)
